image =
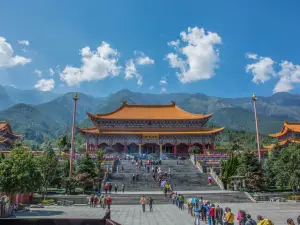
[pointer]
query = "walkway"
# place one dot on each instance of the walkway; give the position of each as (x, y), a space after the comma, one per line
(164, 214)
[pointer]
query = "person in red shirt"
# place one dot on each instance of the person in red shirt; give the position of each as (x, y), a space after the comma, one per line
(211, 214)
(108, 201)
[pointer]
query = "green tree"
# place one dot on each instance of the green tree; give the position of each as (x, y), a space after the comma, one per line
(48, 165)
(270, 169)
(248, 162)
(19, 173)
(63, 144)
(287, 167)
(228, 169)
(195, 150)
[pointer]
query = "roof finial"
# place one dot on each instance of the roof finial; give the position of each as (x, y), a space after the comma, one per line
(124, 102)
(173, 102)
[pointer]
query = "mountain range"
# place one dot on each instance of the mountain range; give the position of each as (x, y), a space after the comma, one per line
(37, 114)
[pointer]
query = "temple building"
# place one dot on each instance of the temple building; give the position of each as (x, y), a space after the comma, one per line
(7, 137)
(145, 129)
(290, 133)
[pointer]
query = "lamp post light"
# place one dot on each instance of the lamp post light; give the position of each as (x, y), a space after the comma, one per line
(75, 98)
(254, 98)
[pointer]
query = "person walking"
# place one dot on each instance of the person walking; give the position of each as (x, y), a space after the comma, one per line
(250, 221)
(241, 217)
(91, 201)
(143, 202)
(212, 214)
(109, 202)
(229, 217)
(123, 188)
(116, 188)
(150, 202)
(290, 222)
(262, 221)
(196, 210)
(219, 215)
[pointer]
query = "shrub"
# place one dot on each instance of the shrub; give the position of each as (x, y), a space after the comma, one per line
(48, 201)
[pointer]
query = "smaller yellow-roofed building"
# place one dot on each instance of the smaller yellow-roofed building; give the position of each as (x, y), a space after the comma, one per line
(290, 133)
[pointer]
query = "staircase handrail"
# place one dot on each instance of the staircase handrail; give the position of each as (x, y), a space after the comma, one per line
(216, 178)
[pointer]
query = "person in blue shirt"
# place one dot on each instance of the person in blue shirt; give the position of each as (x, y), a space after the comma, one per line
(197, 211)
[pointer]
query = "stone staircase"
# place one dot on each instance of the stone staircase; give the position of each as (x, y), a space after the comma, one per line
(185, 177)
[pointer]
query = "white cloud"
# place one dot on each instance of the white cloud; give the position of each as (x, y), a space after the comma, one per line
(45, 85)
(38, 72)
(51, 71)
(163, 90)
(131, 72)
(142, 59)
(199, 58)
(6, 56)
(151, 87)
(23, 42)
(96, 65)
(163, 81)
(262, 70)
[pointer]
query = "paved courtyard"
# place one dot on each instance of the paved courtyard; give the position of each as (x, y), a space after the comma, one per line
(163, 214)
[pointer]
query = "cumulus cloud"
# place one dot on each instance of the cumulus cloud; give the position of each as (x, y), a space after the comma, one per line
(45, 85)
(38, 72)
(131, 66)
(96, 65)
(163, 90)
(23, 42)
(198, 58)
(131, 72)
(262, 69)
(6, 56)
(142, 59)
(163, 81)
(51, 71)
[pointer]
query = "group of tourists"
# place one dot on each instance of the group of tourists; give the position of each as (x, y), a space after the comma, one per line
(103, 201)
(144, 202)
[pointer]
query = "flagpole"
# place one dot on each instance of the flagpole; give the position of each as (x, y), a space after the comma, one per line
(254, 98)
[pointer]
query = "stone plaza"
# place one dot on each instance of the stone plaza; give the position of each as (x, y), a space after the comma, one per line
(163, 214)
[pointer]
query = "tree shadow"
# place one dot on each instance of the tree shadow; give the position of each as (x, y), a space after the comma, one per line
(38, 213)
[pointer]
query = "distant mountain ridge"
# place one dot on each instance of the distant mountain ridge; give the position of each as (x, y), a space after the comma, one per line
(54, 117)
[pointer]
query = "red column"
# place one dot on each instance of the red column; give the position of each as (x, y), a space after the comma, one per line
(175, 150)
(86, 146)
(203, 148)
(125, 148)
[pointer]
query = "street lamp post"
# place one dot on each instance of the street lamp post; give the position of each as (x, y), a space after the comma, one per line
(75, 98)
(254, 98)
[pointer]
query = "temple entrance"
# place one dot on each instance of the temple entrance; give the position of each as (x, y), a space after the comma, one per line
(168, 149)
(150, 149)
(182, 149)
(102, 146)
(133, 149)
(119, 148)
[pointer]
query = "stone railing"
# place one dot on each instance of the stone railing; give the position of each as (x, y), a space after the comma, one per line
(216, 178)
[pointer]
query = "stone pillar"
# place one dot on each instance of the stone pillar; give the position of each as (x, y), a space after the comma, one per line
(175, 150)
(125, 148)
(160, 150)
(140, 149)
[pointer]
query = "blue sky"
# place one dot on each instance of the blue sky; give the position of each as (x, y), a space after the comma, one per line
(252, 46)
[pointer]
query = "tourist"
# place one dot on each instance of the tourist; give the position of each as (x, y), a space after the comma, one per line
(106, 187)
(143, 202)
(298, 220)
(110, 187)
(241, 217)
(117, 169)
(211, 215)
(204, 211)
(262, 221)
(219, 215)
(137, 177)
(123, 187)
(122, 168)
(96, 201)
(196, 210)
(116, 188)
(91, 201)
(132, 162)
(229, 217)
(181, 202)
(151, 204)
(109, 201)
(250, 221)
(133, 177)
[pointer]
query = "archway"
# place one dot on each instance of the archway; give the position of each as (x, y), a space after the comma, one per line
(168, 149)
(133, 149)
(102, 146)
(150, 148)
(119, 148)
(182, 149)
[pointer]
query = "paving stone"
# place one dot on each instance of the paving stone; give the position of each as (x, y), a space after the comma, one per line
(164, 214)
